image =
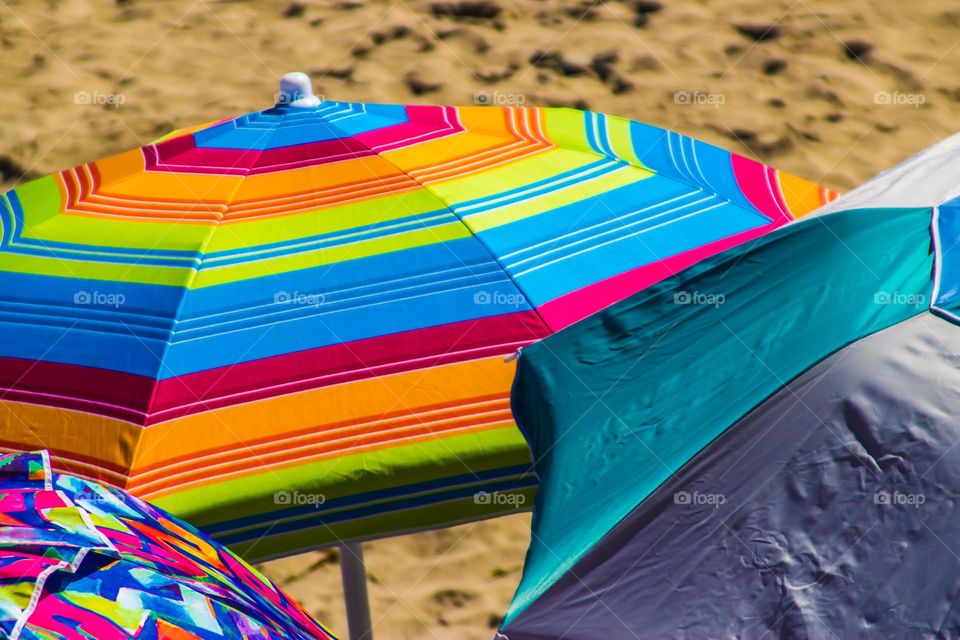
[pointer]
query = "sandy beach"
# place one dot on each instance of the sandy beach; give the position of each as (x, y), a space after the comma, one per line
(833, 91)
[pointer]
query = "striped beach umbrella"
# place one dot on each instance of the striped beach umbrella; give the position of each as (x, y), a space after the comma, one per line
(290, 327)
(79, 560)
(764, 445)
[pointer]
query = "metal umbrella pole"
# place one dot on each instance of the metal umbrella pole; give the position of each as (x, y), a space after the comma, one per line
(353, 572)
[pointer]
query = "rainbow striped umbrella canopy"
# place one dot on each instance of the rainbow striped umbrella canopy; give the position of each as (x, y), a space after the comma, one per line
(289, 327)
(79, 560)
(764, 445)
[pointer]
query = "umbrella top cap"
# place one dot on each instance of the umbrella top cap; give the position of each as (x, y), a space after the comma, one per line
(296, 90)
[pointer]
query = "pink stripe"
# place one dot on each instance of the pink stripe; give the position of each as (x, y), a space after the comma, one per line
(579, 304)
(761, 187)
(426, 123)
(182, 155)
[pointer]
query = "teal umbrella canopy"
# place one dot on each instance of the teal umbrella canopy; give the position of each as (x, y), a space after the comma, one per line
(765, 443)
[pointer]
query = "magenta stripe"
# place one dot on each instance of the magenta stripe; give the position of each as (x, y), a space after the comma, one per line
(182, 155)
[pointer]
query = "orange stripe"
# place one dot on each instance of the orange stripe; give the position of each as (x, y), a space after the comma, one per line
(382, 397)
(108, 205)
(459, 408)
(283, 456)
(103, 442)
(62, 464)
(301, 197)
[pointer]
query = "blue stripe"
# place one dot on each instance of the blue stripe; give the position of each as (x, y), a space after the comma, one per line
(577, 271)
(6, 219)
(653, 145)
(247, 320)
(595, 125)
(283, 127)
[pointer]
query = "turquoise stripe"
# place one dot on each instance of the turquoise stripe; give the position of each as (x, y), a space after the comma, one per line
(617, 403)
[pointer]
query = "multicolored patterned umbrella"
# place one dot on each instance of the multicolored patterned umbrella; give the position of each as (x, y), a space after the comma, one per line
(764, 445)
(289, 327)
(79, 560)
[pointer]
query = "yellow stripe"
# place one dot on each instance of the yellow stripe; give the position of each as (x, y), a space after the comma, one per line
(329, 255)
(556, 198)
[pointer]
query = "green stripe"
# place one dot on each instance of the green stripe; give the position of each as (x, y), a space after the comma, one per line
(348, 475)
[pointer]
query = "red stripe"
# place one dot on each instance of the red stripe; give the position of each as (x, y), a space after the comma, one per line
(340, 363)
(128, 397)
(75, 387)
(181, 154)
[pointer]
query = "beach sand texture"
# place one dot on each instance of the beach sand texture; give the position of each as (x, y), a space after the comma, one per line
(832, 90)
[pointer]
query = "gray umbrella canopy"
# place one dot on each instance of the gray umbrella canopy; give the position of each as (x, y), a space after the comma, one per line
(765, 444)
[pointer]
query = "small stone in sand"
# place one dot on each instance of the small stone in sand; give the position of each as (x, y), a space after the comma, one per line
(342, 72)
(10, 169)
(294, 10)
(602, 64)
(420, 86)
(585, 11)
(620, 85)
(556, 62)
(857, 50)
(758, 32)
(773, 66)
(643, 9)
(476, 9)
(394, 32)
(455, 598)
(647, 6)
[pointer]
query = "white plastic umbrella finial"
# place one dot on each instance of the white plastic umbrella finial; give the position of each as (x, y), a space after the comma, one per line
(296, 90)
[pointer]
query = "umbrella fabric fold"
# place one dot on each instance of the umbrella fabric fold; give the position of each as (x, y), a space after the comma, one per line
(289, 327)
(80, 560)
(762, 444)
